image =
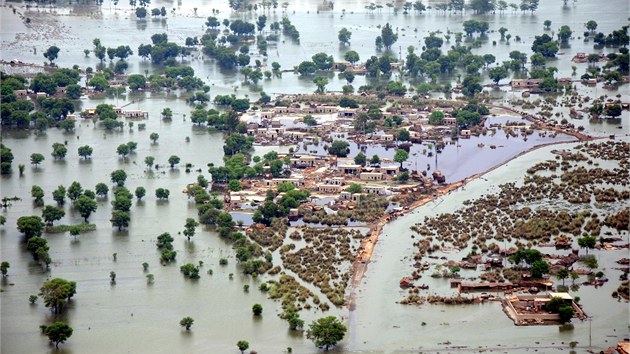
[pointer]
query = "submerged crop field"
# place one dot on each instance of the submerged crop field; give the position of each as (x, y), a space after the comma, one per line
(308, 176)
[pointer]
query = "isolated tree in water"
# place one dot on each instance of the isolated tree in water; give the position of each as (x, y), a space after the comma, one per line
(56, 292)
(326, 332)
(388, 36)
(58, 332)
(186, 322)
(51, 53)
(242, 345)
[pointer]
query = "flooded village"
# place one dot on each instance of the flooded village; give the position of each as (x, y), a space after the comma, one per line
(306, 176)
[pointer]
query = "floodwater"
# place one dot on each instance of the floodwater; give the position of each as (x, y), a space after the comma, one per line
(132, 316)
(471, 326)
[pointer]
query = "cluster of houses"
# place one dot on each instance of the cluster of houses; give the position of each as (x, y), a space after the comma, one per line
(277, 125)
(129, 114)
(25, 93)
(583, 57)
(90, 112)
(328, 178)
(360, 69)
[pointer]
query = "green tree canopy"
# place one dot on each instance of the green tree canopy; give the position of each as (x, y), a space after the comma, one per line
(58, 332)
(326, 332)
(56, 292)
(339, 148)
(30, 226)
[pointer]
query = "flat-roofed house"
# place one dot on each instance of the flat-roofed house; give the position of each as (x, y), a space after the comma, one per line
(370, 176)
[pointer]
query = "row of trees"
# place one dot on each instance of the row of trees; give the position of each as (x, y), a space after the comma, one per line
(476, 6)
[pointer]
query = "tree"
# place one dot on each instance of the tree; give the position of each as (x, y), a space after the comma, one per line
(235, 185)
(186, 322)
(149, 161)
(136, 81)
(354, 188)
(165, 240)
(545, 45)
(351, 56)
(189, 228)
(566, 313)
(436, 117)
(56, 292)
(51, 53)
(537, 59)
(539, 268)
(162, 193)
(52, 213)
(154, 137)
(403, 135)
(101, 189)
(547, 24)
(30, 226)
(401, 156)
(528, 255)
(344, 36)
(375, 160)
(564, 33)
(310, 120)
(502, 31)
(471, 85)
(613, 110)
(321, 83)
(323, 61)
(257, 309)
(140, 192)
(141, 12)
(242, 345)
(38, 193)
(167, 113)
(360, 159)
(173, 160)
(326, 332)
(388, 36)
(587, 242)
(75, 190)
(122, 201)
(67, 125)
(85, 205)
(591, 25)
(295, 322)
(119, 177)
(59, 151)
(58, 332)
(37, 158)
(612, 76)
(4, 268)
(59, 195)
(120, 219)
(237, 143)
(122, 150)
(85, 151)
(497, 74)
(562, 274)
(339, 148)
(6, 157)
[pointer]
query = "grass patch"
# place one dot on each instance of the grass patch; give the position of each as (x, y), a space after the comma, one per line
(66, 228)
